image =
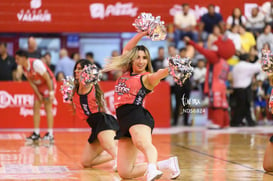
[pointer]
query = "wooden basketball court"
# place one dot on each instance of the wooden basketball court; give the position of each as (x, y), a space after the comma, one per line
(204, 155)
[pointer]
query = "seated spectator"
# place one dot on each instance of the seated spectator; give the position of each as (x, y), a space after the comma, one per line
(247, 40)
(236, 18)
(265, 37)
(209, 20)
(267, 10)
(184, 23)
(255, 22)
(234, 35)
(214, 36)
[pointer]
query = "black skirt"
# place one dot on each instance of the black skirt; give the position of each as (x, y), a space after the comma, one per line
(100, 122)
(129, 115)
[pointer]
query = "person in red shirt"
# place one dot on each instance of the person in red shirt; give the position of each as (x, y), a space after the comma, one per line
(88, 100)
(43, 84)
(136, 123)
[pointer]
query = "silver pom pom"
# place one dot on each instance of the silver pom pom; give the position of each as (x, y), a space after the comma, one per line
(180, 69)
(154, 26)
(90, 75)
(67, 89)
(267, 61)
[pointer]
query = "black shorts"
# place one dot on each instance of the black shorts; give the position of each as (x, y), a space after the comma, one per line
(129, 115)
(100, 122)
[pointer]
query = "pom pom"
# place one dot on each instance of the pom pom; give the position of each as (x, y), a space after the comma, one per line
(154, 26)
(180, 69)
(267, 63)
(67, 89)
(90, 75)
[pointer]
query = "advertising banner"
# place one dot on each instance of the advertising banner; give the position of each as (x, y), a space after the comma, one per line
(16, 102)
(100, 16)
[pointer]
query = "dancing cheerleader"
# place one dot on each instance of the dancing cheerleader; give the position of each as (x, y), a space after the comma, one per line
(136, 123)
(88, 100)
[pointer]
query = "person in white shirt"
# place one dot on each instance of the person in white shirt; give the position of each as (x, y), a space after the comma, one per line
(242, 74)
(234, 35)
(184, 23)
(255, 22)
(236, 18)
(267, 10)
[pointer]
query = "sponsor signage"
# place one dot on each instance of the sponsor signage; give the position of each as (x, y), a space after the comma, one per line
(16, 102)
(101, 16)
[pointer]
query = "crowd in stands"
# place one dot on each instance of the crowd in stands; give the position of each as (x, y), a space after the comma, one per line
(250, 34)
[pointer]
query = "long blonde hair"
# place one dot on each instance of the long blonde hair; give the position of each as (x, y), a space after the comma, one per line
(124, 62)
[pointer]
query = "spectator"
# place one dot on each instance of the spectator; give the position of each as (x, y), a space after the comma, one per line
(236, 18)
(75, 56)
(265, 37)
(47, 60)
(209, 20)
(65, 64)
(214, 36)
(7, 64)
(114, 74)
(184, 23)
(260, 99)
(90, 56)
(60, 76)
(115, 53)
(158, 62)
(234, 35)
(255, 22)
(247, 40)
(33, 52)
(267, 10)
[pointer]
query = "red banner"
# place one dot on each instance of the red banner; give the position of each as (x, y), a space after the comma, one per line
(16, 101)
(102, 16)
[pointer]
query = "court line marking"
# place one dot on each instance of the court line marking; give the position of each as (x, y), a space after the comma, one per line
(170, 130)
(214, 157)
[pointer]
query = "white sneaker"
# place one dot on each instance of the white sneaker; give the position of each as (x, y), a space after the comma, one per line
(153, 175)
(174, 167)
(49, 138)
(211, 125)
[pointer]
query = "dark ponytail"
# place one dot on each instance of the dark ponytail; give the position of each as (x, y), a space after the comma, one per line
(100, 98)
